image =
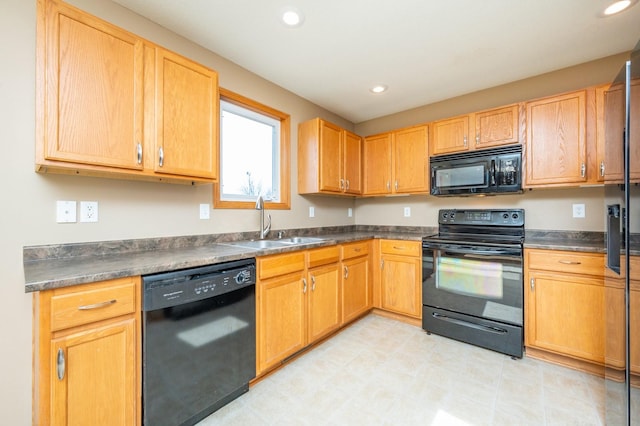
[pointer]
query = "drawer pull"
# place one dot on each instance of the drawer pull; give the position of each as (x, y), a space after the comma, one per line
(97, 305)
(398, 248)
(357, 250)
(570, 262)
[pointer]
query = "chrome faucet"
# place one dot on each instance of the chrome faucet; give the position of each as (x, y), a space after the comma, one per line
(264, 230)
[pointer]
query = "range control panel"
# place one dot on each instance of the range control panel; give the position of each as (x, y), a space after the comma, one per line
(504, 217)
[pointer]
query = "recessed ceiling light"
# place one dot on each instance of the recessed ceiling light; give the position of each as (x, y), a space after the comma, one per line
(617, 7)
(379, 88)
(292, 17)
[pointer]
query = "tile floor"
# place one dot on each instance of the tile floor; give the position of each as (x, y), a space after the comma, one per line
(383, 372)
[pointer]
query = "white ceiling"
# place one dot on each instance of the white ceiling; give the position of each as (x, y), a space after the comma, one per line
(424, 50)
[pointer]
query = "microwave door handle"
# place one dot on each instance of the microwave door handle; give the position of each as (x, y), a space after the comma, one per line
(492, 172)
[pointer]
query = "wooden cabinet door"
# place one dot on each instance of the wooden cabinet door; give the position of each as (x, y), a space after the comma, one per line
(377, 164)
(411, 160)
(451, 135)
(496, 127)
(186, 117)
(556, 150)
(564, 314)
(281, 318)
(93, 91)
(401, 285)
(99, 380)
(324, 301)
(330, 157)
(352, 164)
(610, 140)
(356, 293)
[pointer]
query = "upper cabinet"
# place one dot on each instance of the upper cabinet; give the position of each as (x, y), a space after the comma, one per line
(610, 111)
(397, 162)
(186, 137)
(112, 104)
(478, 130)
(556, 145)
(329, 159)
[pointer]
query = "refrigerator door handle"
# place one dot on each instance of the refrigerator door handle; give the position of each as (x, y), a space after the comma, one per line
(613, 237)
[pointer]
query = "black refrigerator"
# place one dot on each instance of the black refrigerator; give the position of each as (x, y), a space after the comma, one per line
(622, 213)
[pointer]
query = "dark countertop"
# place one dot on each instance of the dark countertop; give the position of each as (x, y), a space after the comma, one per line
(56, 266)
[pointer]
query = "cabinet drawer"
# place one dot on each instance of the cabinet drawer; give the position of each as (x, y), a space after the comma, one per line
(566, 261)
(351, 250)
(92, 302)
(401, 247)
(323, 256)
(280, 264)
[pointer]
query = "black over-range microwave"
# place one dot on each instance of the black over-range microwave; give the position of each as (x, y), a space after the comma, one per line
(487, 171)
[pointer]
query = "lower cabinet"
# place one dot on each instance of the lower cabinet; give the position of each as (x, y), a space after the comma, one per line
(401, 277)
(87, 354)
(565, 304)
(304, 296)
(298, 302)
(356, 285)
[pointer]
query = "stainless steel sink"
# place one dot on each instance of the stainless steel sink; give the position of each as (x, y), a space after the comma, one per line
(259, 244)
(299, 240)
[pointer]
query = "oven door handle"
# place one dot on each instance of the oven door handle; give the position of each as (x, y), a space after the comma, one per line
(490, 329)
(493, 251)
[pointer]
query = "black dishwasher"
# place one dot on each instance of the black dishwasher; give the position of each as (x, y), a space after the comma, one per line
(198, 341)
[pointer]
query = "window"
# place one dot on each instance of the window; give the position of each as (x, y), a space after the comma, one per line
(254, 154)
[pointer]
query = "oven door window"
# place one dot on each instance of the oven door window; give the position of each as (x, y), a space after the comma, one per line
(473, 278)
(474, 282)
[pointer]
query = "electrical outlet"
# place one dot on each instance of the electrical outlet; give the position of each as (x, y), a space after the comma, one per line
(205, 211)
(88, 211)
(407, 212)
(579, 211)
(65, 211)
(312, 211)
(349, 212)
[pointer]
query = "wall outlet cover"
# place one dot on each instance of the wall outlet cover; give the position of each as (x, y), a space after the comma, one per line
(88, 211)
(349, 212)
(312, 211)
(205, 210)
(407, 212)
(579, 211)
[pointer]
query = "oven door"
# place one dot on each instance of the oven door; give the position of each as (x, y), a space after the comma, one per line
(480, 281)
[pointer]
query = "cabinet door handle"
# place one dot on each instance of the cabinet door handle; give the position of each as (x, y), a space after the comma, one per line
(161, 157)
(139, 151)
(97, 305)
(347, 181)
(342, 184)
(60, 364)
(304, 285)
(583, 170)
(381, 263)
(388, 185)
(478, 138)
(346, 272)
(569, 262)
(465, 141)
(602, 168)
(396, 185)
(313, 283)
(532, 284)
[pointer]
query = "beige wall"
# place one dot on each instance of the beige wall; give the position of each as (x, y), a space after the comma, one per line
(140, 209)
